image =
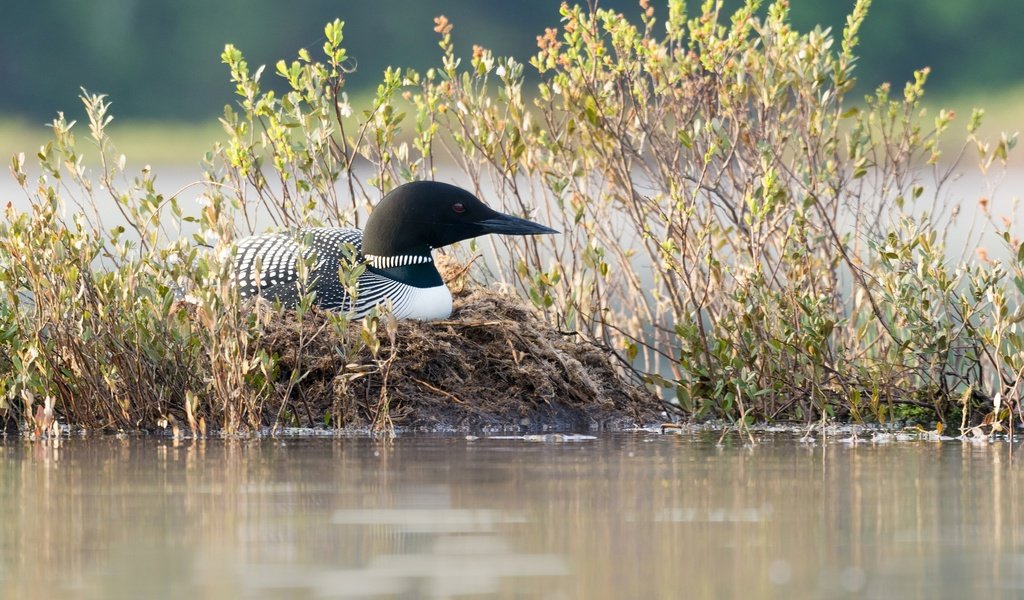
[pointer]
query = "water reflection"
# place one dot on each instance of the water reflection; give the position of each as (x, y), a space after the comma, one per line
(623, 516)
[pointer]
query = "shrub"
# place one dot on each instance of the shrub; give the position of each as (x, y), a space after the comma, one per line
(733, 223)
(738, 229)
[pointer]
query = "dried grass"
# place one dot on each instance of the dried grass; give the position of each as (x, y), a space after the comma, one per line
(494, 363)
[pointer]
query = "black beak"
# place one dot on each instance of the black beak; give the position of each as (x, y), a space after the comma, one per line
(509, 225)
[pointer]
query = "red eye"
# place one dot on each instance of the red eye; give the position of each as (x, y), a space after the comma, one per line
(459, 207)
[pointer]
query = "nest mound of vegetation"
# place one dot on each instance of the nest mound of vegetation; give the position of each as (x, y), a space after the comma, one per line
(494, 364)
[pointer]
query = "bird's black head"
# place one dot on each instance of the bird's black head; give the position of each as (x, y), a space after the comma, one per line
(418, 216)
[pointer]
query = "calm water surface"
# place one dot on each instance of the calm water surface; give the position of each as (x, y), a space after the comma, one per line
(637, 515)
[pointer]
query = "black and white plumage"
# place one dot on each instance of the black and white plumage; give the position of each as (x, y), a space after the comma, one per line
(395, 247)
(267, 265)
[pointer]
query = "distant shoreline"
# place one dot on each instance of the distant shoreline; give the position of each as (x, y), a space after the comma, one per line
(176, 143)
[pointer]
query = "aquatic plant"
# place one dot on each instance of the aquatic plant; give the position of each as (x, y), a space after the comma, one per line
(737, 229)
(735, 225)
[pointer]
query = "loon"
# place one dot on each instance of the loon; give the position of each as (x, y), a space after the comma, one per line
(403, 229)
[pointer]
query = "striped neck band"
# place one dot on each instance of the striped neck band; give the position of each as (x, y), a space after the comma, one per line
(389, 262)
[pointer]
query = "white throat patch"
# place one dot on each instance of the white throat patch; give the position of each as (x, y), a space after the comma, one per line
(424, 304)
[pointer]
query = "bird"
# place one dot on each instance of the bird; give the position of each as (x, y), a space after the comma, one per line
(395, 246)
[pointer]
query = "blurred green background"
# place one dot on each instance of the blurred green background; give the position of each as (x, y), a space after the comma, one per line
(159, 59)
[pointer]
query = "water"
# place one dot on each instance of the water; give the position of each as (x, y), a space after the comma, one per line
(633, 515)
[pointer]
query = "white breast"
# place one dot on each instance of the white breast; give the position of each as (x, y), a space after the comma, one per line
(424, 304)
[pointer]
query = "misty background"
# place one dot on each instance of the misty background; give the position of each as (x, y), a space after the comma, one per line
(159, 60)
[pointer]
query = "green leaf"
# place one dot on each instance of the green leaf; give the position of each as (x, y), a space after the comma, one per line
(590, 108)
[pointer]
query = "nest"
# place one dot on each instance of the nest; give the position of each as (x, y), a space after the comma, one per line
(494, 364)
